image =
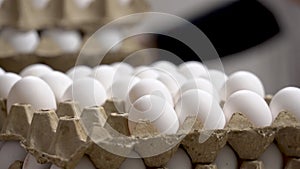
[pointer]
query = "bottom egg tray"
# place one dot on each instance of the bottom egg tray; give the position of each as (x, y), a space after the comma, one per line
(62, 137)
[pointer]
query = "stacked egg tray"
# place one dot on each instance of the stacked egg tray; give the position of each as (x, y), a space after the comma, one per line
(61, 137)
(23, 15)
(50, 53)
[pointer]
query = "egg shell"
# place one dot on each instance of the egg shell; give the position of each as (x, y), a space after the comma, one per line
(40, 4)
(252, 105)
(68, 40)
(109, 39)
(105, 74)
(286, 99)
(272, 158)
(21, 41)
(79, 71)
(87, 92)
(34, 91)
(125, 2)
(36, 70)
(121, 86)
(1, 71)
(165, 66)
(201, 104)
(145, 72)
(197, 83)
(226, 159)
(7, 80)
(171, 82)
(118, 92)
(157, 111)
(84, 163)
(217, 78)
(10, 152)
(123, 68)
(58, 82)
(243, 80)
(31, 163)
(148, 86)
(180, 160)
(193, 69)
(131, 163)
(83, 3)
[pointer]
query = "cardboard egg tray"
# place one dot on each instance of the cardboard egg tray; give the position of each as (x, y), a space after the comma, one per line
(48, 52)
(62, 138)
(23, 14)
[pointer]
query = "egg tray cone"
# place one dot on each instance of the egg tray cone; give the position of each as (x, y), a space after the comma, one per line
(23, 14)
(50, 53)
(64, 136)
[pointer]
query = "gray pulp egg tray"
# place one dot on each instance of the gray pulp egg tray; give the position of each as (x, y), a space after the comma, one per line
(62, 137)
(22, 14)
(50, 53)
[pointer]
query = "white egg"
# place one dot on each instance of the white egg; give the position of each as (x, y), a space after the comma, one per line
(197, 83)
(108, 39)
(87, 92)
(145, 72)
(21, 41)
(7, 80)
(131, 163)
(84, 163)
(34, 91)
(226, 159)
(286, 100)
(36, 70)
(171, 82)
(105, 74)
(243, 80)
(10, 152)
(125, 2)
(59, 82)
(251, 105)
(121, 86)
(165, 66)
(1, 71)
(123, 68)
(217, 78)
(40, 4)
(201, 104)
(148, 86)
(272, 158)
(79, 71)
(180, 160)
(68, 40)
(193, 69)
(119, 91)
(83, 3)
(157, 111)
(31, 163)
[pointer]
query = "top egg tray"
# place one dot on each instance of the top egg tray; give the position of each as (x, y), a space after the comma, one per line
(61, 137)
(24, 15)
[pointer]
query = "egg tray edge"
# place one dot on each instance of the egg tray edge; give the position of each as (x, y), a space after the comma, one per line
(248, 142)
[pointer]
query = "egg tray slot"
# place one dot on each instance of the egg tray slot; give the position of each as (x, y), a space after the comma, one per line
(23, 14)
(62, 137)
(50, 53)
